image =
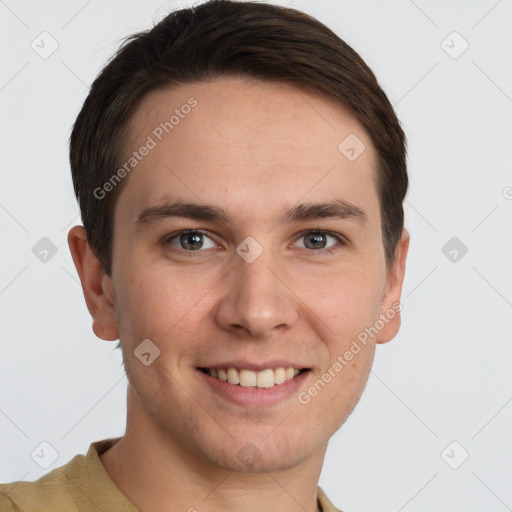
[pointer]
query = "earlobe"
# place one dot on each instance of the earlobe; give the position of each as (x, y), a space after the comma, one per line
(390, 305)
(96, 285)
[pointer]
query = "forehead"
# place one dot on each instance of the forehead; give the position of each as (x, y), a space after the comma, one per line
(247, 143)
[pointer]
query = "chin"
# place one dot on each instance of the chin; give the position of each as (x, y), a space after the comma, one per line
(263, 453)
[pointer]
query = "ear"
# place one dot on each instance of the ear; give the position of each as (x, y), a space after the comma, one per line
(96, 285)
(390, 305)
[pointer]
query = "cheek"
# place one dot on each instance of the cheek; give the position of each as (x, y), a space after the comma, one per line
(155, 302)
(335, 392)
(349, 307)
(347, 304)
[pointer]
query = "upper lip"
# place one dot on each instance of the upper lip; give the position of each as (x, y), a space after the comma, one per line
(275, 363)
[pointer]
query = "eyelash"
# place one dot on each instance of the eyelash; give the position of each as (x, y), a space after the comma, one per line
(342, 241)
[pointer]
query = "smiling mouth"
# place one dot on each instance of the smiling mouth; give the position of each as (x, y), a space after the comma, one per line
(248, 378)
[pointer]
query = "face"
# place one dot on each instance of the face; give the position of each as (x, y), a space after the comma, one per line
(265, 277)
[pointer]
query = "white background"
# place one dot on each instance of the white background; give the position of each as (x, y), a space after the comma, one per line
(446, 376)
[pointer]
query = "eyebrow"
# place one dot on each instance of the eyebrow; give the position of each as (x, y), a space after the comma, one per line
(338, 209)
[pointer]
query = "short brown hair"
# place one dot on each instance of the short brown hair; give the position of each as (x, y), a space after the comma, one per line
(227, 38)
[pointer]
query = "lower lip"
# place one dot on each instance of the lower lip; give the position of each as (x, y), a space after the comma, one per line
(256, 397)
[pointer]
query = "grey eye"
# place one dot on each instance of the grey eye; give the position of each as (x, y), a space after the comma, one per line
(316, 240)
(192, 241)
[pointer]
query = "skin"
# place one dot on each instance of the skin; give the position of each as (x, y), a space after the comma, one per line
(253, 149)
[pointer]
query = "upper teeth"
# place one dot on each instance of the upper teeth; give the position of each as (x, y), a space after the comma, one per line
(248, 378)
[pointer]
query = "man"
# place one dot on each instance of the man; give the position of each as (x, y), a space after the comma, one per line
(240, 175)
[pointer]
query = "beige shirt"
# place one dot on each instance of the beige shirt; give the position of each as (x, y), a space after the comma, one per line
(81, 485)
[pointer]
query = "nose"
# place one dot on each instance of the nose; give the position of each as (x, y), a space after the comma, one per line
(256, 301)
